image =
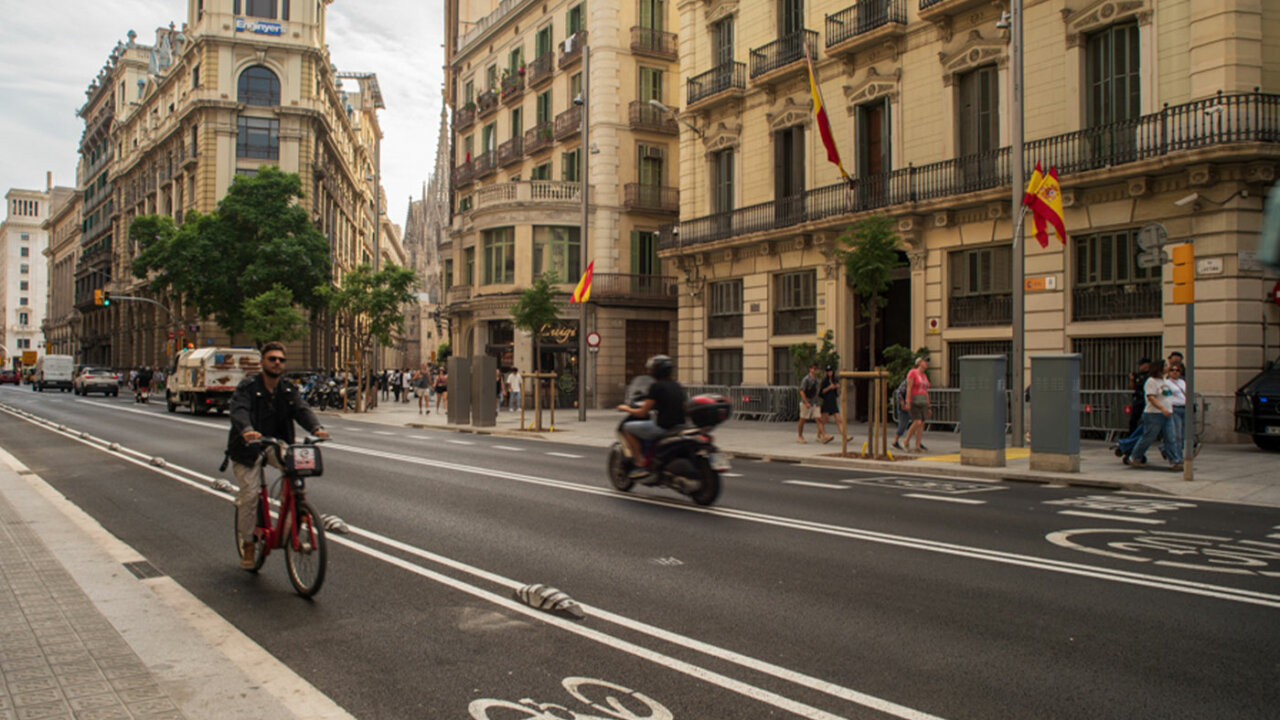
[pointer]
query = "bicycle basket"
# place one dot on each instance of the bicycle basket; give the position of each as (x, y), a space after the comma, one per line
(305, 461)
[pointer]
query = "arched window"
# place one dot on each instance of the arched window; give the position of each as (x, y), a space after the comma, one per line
(258, 86)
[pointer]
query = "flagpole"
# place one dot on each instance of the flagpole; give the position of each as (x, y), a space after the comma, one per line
(1016, 130)
(585, 185)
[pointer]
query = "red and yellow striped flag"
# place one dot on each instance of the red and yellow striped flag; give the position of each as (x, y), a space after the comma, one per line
(582, 293)
(824, 125)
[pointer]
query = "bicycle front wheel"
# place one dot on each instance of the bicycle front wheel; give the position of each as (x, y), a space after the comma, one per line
(304, 549)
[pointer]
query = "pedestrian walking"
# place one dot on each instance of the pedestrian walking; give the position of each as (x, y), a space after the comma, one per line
(421, 383)
(514, 379)
(1136, 380)
(1157, 418)
(918, 401)
(442, 389)
(1178, 398)
(829, 392)
(903, 410)
(808, 401)
(500, 386)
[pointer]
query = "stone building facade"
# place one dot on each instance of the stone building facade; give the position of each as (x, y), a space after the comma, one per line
(62, 324)
(514, 72)
(1152, 112)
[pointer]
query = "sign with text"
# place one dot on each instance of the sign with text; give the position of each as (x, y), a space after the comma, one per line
(259, 27)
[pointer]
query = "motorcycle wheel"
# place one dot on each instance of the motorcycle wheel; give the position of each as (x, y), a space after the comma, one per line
(710, 487)
(618, 469)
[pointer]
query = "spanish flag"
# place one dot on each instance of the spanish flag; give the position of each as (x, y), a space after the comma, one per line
(1046, 205)
(824, 125)
(582, 293)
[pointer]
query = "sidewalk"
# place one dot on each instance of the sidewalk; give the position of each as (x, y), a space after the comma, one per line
(89, 629)
(1237, 473)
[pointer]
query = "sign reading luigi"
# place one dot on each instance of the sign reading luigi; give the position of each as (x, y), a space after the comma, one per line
(559, 334)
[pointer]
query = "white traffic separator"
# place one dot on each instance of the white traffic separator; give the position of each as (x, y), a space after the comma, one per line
(810, 483)
(695, 671)
(1109, 516)
(943, 498)
(1009, 558)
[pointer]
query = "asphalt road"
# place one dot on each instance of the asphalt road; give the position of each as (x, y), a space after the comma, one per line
(806, 592)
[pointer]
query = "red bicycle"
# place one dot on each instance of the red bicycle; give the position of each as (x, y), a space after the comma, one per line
(296, 527)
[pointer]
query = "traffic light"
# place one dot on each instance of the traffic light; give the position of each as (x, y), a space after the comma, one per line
(106, 298)
(1184, 274)
(97, 297)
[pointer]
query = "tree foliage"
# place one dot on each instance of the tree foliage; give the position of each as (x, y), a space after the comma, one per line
(536, 308)
(258, 238)
(369, 308)
(806, 354)
(871, 257)
(899, 360)
(273, 316)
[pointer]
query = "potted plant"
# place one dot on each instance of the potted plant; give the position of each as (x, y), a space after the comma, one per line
(545, 133)
(520, 70)
(470, 106)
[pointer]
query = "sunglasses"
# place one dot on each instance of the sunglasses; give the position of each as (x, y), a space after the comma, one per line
(273, 358)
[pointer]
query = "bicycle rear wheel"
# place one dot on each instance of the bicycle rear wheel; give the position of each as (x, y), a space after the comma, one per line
(305, 551)
(259, 544)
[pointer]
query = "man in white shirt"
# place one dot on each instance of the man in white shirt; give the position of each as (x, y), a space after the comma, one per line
(1157, 418)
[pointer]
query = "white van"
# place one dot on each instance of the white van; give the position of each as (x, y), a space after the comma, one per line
(53, 371)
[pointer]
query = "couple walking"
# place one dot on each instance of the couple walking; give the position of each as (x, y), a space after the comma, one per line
(820, 402)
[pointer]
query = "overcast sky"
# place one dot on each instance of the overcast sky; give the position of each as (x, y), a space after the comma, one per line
(51, 49)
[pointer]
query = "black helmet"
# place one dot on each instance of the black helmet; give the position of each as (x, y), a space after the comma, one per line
(660, 367)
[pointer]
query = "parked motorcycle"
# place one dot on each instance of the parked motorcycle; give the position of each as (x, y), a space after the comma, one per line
(685, 459)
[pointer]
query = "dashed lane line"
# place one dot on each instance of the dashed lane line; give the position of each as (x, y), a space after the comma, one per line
(808, 483)
(962, 501)
(460, 442)
(565, 455)
(382, 432)
(508, 447)
(1106, 516)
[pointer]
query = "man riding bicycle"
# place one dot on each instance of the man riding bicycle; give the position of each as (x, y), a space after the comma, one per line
(263, 404)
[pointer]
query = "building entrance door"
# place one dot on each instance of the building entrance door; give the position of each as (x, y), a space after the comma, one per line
(645, 338)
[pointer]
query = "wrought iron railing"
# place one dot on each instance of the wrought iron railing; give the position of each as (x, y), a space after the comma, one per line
(1117, 302)
(463, 117)
(571, 48)
(1220, 120)
(729, 76)
(568, 122)
(654, 198)
(537, 137)
(863, 18)
(783, 51)
(724, 326)
(542, 68)
(485, 163)
(648, 41)
(926, 4)
(462, 175)
(644, 116)
(512, 86)
(605, 285)
(510, 151)
(487, 102)
(979, 310)
(803, 321)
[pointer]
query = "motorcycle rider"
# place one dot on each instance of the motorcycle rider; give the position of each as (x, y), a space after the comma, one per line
(667, 397)
(142, 385)
(264, 404)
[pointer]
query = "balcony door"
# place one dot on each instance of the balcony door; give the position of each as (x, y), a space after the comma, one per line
(1115, 93)
(788, 175)
(722, 44)
(722, 190)
(979, 126)
(651, 14)
(874, 161)
(790, 17)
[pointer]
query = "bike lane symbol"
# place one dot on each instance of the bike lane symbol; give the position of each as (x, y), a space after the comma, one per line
(615, 701)
(1212, 553)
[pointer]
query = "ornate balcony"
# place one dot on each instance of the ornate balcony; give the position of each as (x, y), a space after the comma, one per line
(782, 56)
(644, 116)
(980, 310)
(538, 138)
(464, 117)
(512, 86)
(485, 164)
(487, 102)
(503, 196)
(541, 69)
(571, 48)
(510, 151)
(458, 294)
(646, 289)
(719, 83)
(569, 122)
(939, 10)
(868, 23)
(654, 43)
(463, 175)
(651, 198)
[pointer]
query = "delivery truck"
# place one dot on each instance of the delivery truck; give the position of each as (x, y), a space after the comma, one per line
(203, 379)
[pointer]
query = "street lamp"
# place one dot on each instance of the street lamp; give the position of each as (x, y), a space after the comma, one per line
(658, 104)
(1019, 164)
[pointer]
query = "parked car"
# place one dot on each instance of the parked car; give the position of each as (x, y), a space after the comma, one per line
(9, 377)
(91, 379)
(1258, 408)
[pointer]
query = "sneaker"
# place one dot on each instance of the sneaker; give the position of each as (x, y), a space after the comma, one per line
(1135, 462)
(1176, 466)
(247, 552)
(897, 446)
(637, 473)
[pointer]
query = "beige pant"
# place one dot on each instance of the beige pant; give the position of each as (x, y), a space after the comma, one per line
(248, 478)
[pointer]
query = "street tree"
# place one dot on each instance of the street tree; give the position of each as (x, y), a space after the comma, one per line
(273, 316)
(805, 354)
(536, 309)
(258, 238)
(369, 307)
(870, 258)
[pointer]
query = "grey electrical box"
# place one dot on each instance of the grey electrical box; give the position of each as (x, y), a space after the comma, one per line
(484, 391)
(983, 410)
(1055, 412)
(459, 389)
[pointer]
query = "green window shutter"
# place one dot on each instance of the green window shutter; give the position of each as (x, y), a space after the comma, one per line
(635, 252)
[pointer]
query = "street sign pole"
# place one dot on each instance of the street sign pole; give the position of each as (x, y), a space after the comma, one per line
(1189, 432)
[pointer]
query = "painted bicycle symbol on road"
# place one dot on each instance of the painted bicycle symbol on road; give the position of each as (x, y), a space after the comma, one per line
(619, 703)
(1213, 553)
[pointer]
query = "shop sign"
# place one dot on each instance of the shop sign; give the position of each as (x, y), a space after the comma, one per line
(259, 27)
(558, 334)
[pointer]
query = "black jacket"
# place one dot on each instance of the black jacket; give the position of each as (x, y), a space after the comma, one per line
(273, 415)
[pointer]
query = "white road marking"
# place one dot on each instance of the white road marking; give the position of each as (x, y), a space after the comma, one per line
(382, 432)
(419, 437)
(1105, 516)
(963, 501)
(508, 447)
(565, 455)
(461, 442)
(807, 483)
(731, 474)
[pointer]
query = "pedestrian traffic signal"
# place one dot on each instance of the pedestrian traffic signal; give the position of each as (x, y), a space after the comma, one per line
(97, 297)
(1184, 274)
(106, 298)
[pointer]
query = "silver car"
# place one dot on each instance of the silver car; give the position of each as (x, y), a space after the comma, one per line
(96, 380)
